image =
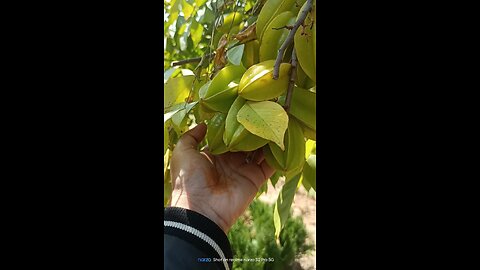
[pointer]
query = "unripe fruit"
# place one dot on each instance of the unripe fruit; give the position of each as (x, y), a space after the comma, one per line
(273, 37)
(269, 11)
(222, 90)
(227, 25)
(257, 83)
(305, 44)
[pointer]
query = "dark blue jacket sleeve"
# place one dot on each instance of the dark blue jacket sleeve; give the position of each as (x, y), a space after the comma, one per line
(192, 241)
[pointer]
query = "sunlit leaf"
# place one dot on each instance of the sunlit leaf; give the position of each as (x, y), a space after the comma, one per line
(173, 14)
(248, 6)
(176, 90)
(179, 119)
(182, 28)
(200, 2)
(309, 146)
(196, 31)
(187, 9)
(266, 119)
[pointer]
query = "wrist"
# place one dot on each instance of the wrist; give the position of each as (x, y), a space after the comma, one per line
(184, 202)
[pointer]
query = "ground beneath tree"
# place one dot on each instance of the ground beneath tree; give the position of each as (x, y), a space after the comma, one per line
(304, 205)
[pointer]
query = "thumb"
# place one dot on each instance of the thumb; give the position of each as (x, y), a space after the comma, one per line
(192, 138)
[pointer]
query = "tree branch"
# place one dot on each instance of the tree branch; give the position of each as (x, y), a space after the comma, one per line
(291, 82)
(191, 60)
(289, 27)
(197, 59)
(291, 35)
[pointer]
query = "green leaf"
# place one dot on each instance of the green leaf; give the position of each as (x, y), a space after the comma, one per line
(248, 6)
(305, 183)
(284, 203)
(274, 178)
(172, 110)
(208, 17)
(196, 31)
(200, 2)
(183, 39)
(182, 26)
(231, 122)
(179, 119)
(265, 119)
(215, 130)
(176, 90)
(173, 14)
(187, 9)
(235, 54)
(310, 171)
(203, 90)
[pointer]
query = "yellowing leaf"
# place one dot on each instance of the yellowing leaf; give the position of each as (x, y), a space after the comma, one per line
(265, 119)
(176, 90)
(309, 145)
(187, 9)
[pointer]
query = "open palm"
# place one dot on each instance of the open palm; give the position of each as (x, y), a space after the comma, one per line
(220, 187)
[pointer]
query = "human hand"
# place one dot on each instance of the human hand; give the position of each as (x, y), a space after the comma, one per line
(219, 187)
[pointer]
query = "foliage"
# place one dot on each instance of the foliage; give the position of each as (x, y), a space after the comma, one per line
(251, 237)
(228, 57)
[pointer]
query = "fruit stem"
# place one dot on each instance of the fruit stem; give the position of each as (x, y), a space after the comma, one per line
(289, 39)
(291, 82)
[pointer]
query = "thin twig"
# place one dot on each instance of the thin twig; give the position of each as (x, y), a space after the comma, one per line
(197, 59)
(191, 60)
(291, 82)
(286, 43)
